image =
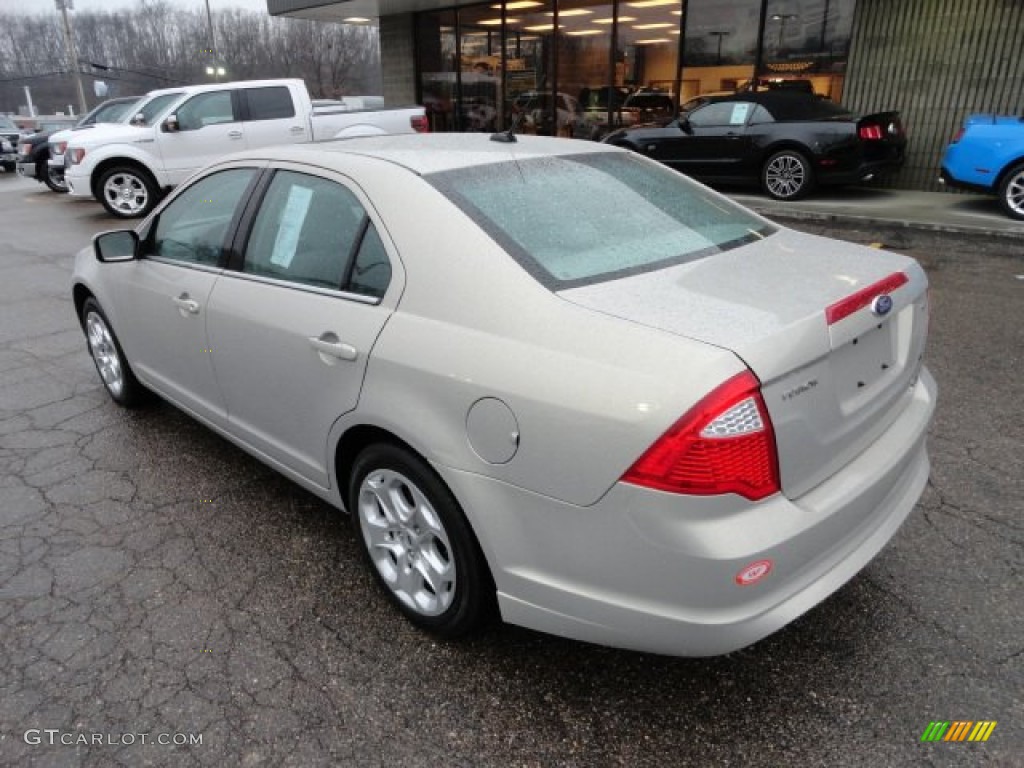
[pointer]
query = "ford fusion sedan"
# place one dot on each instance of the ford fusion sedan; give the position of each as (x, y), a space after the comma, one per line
(674, 429)
(787, 141)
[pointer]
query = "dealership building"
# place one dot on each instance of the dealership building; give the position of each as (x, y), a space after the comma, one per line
(472, 64)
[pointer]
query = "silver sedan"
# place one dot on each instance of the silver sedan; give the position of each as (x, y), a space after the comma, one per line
(546, 378)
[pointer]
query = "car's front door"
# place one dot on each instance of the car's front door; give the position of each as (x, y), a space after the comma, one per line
(208, 127)
(293, 327)
(711, 143)
(164, 299)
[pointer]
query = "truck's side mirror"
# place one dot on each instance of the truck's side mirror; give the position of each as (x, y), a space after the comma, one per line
(120, 245)
(170, 124)
(138, 119)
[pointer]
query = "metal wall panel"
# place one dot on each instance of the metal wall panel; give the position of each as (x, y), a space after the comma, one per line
(936, 61)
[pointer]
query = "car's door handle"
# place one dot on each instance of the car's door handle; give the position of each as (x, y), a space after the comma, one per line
(186, 304)
(329, 344)
(297, 129)
(234, 134)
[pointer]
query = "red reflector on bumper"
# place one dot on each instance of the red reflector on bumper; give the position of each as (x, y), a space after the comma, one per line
(862, 298)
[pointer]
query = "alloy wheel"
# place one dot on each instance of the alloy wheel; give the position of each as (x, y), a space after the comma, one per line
(785, 176)
(407, 542)
(126, 193)
(104, 352)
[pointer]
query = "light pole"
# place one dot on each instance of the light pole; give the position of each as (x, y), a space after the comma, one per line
(719, 35)
(782, 18)
(69, 43)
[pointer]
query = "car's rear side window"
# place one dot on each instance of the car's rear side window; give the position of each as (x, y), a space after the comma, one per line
(314, 231)
(579, 219)
(272, 103)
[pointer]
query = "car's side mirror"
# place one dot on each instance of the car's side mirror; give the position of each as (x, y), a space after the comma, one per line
(684, 124)
(138, 119)
(170, 124)
(121, 245)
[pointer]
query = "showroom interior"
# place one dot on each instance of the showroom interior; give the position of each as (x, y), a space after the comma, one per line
(476, 66)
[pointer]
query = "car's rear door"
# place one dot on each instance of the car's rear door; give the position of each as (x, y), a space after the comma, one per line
(292, 325)
(270, 116)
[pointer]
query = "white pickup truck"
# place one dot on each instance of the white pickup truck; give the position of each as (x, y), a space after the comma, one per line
(128, 166)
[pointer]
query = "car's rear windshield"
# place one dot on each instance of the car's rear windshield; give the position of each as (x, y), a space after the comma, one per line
(794, 105)
(574, 220)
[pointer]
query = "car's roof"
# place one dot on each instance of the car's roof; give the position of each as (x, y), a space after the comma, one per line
(428, 153)
(787, 104)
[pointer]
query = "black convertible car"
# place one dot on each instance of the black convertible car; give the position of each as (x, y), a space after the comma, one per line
(787, 141)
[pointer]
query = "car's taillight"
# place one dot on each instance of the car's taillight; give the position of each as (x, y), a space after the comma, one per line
(77, 153)
(24, 148)
(958, 135)
(724, 444)
(871, 132)
(420, 124)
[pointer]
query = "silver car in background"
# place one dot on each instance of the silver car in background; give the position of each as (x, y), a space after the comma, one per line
(546, 377)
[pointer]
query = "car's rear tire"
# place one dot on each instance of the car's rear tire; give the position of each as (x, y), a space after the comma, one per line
(111, 364)
(787, 175)
(418, 542)
(127, 192)
(1011, 192)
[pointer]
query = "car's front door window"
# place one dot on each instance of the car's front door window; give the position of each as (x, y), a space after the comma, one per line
(193, 227)
(206, 109)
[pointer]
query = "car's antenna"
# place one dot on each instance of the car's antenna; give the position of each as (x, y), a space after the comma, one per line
(509, 136)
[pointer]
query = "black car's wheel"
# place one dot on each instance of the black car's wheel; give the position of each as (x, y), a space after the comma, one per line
(418, 541)
(787, 175)
(54, 179)
(127, 192)
(116, 374)
(1011, 192)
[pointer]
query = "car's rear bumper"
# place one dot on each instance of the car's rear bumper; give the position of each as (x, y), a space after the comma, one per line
(946, 178)
(652, 572)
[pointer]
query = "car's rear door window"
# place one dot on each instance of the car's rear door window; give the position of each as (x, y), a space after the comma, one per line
(271, 103)
(578, 219)
(314, 231)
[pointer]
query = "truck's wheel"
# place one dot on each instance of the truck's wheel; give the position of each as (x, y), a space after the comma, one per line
(1011, 192)
(127, 192)
(54, 179)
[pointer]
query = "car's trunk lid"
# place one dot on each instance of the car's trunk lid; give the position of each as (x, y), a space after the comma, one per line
(831, 384)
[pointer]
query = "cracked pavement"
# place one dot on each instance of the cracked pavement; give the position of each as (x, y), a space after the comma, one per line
(156, 580)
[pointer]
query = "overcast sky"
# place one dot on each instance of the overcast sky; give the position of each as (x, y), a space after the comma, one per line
(47, 6)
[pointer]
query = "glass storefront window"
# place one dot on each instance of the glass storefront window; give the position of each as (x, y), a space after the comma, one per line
(584, 67)
(482, 67)
(436, 44)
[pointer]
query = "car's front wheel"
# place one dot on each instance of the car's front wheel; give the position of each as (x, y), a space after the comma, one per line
(418, 541)
(54, 179)
(115, 373)
(127, 192)
(1011, 192)
(787, 175)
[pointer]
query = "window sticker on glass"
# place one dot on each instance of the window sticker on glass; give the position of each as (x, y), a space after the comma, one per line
(292, 219)
(739, 113)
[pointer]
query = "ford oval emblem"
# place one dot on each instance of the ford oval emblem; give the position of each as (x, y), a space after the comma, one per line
(882, 304)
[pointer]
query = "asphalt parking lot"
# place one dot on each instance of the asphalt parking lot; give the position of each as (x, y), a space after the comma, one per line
(156, 580)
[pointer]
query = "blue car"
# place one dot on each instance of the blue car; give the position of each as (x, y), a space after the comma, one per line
(987, 155)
